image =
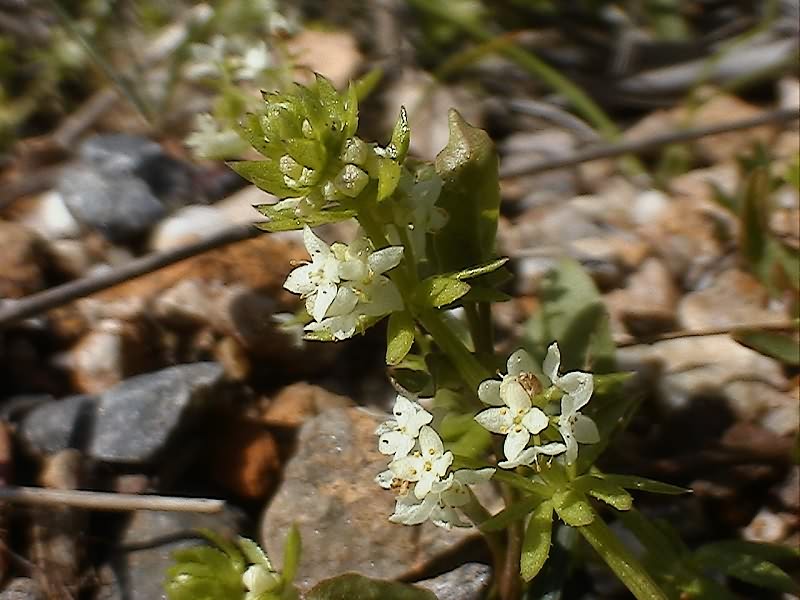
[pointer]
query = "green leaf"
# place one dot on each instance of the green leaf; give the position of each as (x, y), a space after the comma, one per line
(287, 220)
(463, 436)
(777, 345)
(401, 137)
(536, 545)
(482, 269)
(604, 490)
(573, 314)
(633, 482)
(753, 216)
(292, 548)
(521, 483)
(514, 512)
(470, 196)
(621, 561)
(265, 174)
(254, 553)
(204, 573)
(351, 586)
(745, 563)
(399, 337)
(573, 507)
(438, 291)
(389, 173)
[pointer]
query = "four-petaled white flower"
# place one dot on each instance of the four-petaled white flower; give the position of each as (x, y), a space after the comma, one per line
(426, 467)
(318, 280)
(258, 580)
(530, 455)
(344, 285)
(398, 435)
(440, 503)
(513, 414)
(578, 387)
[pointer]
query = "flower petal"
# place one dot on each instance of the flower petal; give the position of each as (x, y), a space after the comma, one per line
(578, 385)
(315, 246)
(408, 512)
(344, 302)
(496, 420)
(409, 468)
(524, 458)
(326, 294)
(430, 443)
(515, 442)
(552, 361)
(535, 420)
(353, 270)
(489, 392)
(385, 479)
(385, 259)
(473, 476)
(516, 397)
(299, 280)
(586, 430)
(395, 442)
(551, 449)
(520, 362)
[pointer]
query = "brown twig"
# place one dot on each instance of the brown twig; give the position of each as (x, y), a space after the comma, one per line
(107, 501)
(730, 329)
(40, 302)
(636, 146)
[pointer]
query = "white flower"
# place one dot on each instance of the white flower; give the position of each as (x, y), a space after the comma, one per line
(318, 280)
(209, 140)
(398, 435)
(258, 580)
(255, 60)
(514, 414)
(441, 503)
(426, 467)
(578, 387)
(531, 455)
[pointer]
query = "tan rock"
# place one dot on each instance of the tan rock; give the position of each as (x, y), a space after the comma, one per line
(296, 403)
(334, 54)
(734, 298)
(23, 262)
(328, 491)
(647, 304)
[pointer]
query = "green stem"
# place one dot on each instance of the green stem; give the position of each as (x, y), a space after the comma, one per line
(625, 566)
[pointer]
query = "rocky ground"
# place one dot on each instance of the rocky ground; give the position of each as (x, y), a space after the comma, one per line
(180, 382)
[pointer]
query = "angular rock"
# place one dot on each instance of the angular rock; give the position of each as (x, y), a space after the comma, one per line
(24, 261)
(118, 152)
(140, 575)
(297, 402)
(50, 218)
(121, 207)
(647, 304)
(467, 582)
(246, 460)
(58, 425)
(187, 225)
(329, 492)
(139, 417)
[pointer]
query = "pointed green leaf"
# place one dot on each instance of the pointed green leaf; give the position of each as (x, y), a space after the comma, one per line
(309, 153)
(470, 196)
(265, 174)
(438, 291)
(389, 173)
(633, 482)
(292, 548)
(481, 269)
(604, 490)
(401, 137)
(254, 553)
(399, 337)
(777, 345)
(352, 586)
(536, 545)
(287, 220)
(573, 507)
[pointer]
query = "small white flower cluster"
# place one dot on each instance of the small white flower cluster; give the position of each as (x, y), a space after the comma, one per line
(419, 471)
(515, 415)
(344, 286)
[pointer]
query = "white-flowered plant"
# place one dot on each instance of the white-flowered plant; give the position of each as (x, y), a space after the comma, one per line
(516, 415)
(426, 257)
(344, 286)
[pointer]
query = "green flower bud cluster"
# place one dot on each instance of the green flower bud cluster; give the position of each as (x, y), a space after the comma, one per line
(312, 159)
